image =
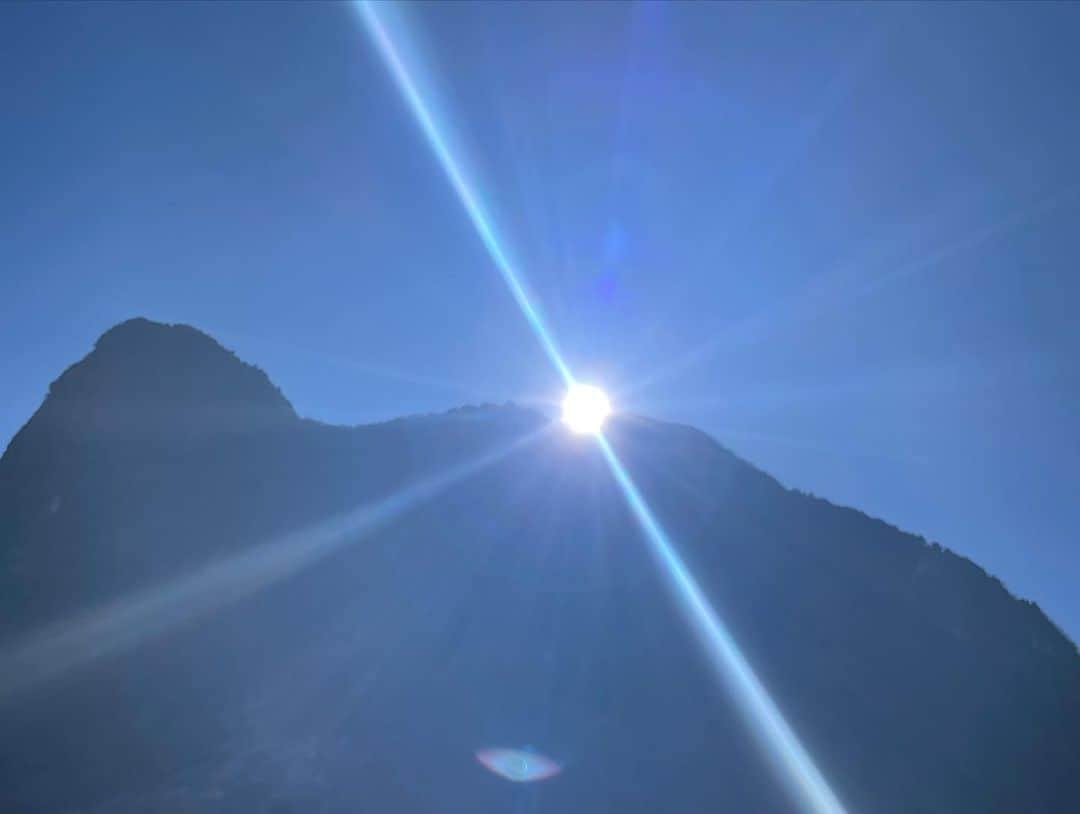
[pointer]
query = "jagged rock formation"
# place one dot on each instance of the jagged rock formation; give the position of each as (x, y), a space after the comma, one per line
(517, 606)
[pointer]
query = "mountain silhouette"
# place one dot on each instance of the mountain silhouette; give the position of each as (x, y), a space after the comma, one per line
(213, 604)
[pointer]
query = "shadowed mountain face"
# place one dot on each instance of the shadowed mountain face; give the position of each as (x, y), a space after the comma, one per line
(211, 604)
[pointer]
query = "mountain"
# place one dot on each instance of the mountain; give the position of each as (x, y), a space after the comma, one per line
(212, 604)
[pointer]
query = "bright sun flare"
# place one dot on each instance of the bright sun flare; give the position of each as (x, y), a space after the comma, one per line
(585, 409)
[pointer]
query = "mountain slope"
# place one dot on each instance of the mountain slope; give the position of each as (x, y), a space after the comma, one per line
(514, 606)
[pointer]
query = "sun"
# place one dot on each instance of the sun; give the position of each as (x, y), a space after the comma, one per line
(585, 409)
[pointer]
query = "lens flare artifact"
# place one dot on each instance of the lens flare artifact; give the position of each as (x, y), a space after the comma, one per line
(518, 765)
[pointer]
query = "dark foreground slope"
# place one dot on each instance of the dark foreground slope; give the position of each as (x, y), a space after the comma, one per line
(517, 606)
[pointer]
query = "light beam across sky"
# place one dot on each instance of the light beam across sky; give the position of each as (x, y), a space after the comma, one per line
(766, 721)
(485, 228)
(793, 762)
(129, 621)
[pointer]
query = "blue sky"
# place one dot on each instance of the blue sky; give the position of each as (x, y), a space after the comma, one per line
(840, 238)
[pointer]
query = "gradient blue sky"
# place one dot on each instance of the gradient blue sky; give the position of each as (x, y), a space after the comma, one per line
(840, 238)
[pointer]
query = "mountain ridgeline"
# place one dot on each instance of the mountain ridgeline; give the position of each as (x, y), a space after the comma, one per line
(202, 611)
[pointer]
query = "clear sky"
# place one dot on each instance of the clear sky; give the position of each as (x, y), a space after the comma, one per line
(840, 238)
